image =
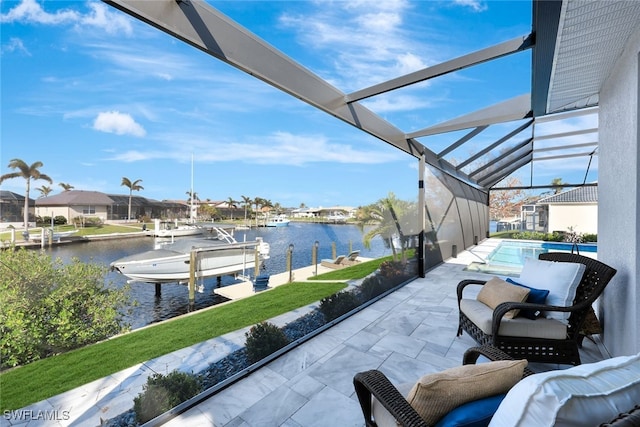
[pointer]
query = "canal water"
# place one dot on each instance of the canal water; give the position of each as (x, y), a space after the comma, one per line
(146, 308)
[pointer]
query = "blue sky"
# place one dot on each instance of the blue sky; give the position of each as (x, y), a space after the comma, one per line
(96, 96)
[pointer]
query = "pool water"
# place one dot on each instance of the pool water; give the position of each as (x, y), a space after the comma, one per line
(514, 253)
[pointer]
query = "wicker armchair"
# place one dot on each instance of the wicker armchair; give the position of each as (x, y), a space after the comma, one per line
(375, 384)
(596, 277)
(627, 419)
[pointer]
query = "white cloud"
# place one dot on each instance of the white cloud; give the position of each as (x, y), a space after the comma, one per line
(371, 39)
(110, 21)
(392, 103)
(118, 123)
(135, 156)
(279, 148)
(15, 45)
(30, 11)
(476, 5)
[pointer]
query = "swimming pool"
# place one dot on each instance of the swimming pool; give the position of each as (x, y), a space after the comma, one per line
(513, 253)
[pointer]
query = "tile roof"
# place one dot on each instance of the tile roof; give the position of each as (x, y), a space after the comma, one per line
(575, 195)
(9, 196)
(75, 197)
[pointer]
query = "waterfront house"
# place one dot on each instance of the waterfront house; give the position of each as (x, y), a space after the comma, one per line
(12, 208)
(75, 204)
(575, 209)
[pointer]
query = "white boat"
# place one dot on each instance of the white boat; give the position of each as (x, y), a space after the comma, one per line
(278, 221)
(174, 229)
(57, 235)
(337, 218)
(215, 256)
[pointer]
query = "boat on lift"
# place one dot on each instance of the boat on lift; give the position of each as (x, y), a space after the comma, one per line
(175, 229)
(217, 255)
(57, 235)
(337, 218)
(278, 221)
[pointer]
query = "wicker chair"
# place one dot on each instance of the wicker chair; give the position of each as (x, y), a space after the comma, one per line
(375, 384)
(596, 277)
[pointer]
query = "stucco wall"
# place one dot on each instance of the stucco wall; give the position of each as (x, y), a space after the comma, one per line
(71, 212)
(619, 202)
(581, 218)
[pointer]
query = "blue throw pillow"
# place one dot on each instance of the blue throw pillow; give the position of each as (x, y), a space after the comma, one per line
(536, 296)
(477, 413)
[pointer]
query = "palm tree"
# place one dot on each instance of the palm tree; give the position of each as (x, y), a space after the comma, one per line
(45, 190)
(231, 204)
(557, 184)
(66, 187)
(388, 214)
(247, 202)
(135, 185)
(258, 201)
(193, 197)
(28, 173)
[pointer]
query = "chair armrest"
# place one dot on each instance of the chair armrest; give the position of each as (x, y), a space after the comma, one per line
(460, 289)
(626, 419)
(492, 353)
(374, 383)
(505, 307)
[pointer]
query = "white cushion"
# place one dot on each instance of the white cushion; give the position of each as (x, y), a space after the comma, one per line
(596, 392)
(560, 278)
(482, 317)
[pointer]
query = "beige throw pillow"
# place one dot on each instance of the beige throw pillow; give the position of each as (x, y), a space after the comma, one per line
(497, 291)
(435, 395)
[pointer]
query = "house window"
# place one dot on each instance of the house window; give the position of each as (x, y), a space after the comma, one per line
(88, 210)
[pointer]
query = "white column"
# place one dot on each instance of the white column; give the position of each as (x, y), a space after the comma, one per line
(619, 202)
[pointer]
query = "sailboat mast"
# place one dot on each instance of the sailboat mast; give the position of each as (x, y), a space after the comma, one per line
(191, 216)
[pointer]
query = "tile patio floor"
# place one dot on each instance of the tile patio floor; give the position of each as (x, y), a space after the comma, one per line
(406, 334)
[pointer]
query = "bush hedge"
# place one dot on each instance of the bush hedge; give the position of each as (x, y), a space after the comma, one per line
(164, 392)
(264, 339)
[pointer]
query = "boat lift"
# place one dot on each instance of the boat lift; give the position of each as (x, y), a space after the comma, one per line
(261, 252)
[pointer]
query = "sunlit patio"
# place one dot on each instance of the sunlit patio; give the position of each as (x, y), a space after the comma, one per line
(405, 335)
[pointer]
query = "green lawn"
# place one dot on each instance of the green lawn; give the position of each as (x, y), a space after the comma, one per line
(359, 270)
(356, 271)
(47, 377)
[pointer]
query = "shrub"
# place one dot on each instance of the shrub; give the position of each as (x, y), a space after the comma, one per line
(390, 269)
(338, 304)
(45, 221)
(164, 392)
(373, 286)
(589, 238)
(49, 307)
(87, 221)
(264, 339)
(536, 235)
